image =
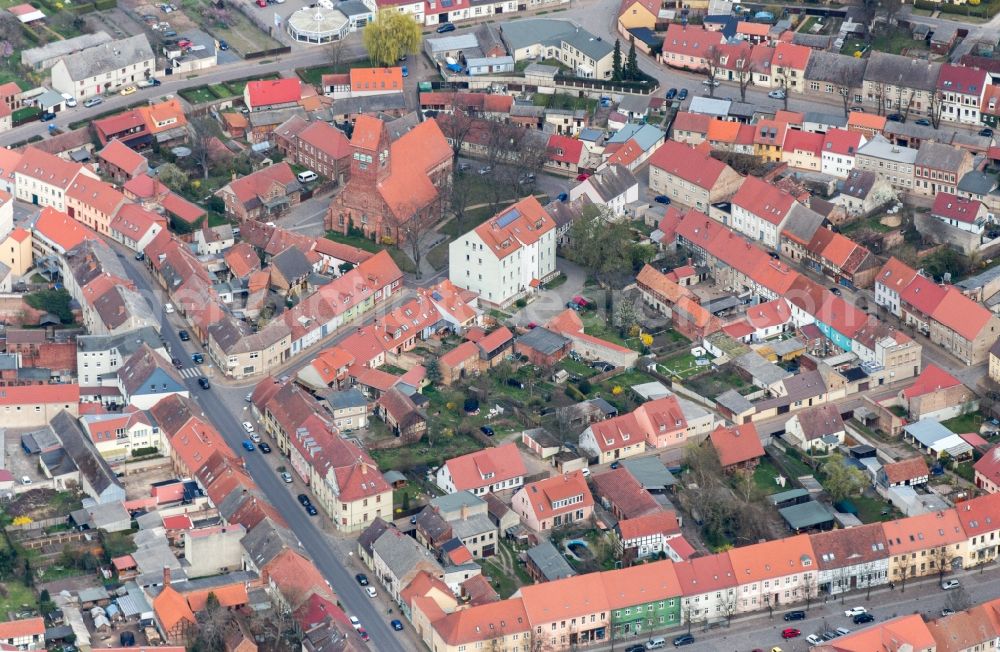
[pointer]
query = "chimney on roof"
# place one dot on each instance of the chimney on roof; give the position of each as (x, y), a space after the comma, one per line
(166, 576)
(465, 512)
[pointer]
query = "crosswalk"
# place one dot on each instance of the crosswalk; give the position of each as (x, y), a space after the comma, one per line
(191, 372)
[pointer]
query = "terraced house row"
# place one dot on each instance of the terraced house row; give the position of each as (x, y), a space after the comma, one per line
(594, 608)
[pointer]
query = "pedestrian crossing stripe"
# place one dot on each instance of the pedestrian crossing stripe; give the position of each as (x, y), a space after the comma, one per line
(191, 372)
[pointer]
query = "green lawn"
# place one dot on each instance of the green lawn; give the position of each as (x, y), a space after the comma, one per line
(438, 256)
(969, 422)
(17, 595)
(562, 101)
(354, 240)
(221, 91)
(576, 368)
(595, 324)
(795, 466)
(896, 42)
(870, 509)
(556, 282)
(763, 477)
(403, 260)
(314, 74)
(198, 95)
(502, 583)
(421, 454)
(681, 365)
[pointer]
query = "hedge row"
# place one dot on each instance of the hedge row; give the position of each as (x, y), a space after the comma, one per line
(982, 11)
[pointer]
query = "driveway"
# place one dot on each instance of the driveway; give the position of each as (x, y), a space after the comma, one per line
(550, 303)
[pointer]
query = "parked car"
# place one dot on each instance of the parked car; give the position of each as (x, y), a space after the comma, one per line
(362, 579)
(710, 82)
(812, 639)
(177, 363)
(894, 117)
(254, 437)
(950, 584)
(795, 615)
(370, 590)
(486, 169)
(582, 177)
(248, 445)
(947, 612)
(671, 94)
(661, 199)
(184, 336)
(777, 94)
(248, 397)
(48, 115)
(203, 382)
(197, 358)
(843, 631)
(396, 624)
(128, 90)
(223, 45)
(562, 196)
(863, 618)
(286, 477)
(923, 122)
(184, 43)
(683, 639)
(682, 94)
(355, 623)
(790, 632)
(486, 430)
(835, 290)
(615, 465)
(94, 101)
(311, 510)
(361, 632)
(854, 611)
(264, 447)
(636, 648)
(987, 132)
(70, 100)
(446, 27)
(303, 500)
(247, 426)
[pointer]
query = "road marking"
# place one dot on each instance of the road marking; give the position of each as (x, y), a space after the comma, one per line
(191, 372)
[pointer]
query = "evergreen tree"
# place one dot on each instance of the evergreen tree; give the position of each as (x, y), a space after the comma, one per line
(616, 62)
(433, 370)
(632, 63)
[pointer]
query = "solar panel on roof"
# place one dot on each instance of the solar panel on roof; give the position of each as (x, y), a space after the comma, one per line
(507, 218)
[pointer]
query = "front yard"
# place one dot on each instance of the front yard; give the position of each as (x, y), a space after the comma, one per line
(969, 422)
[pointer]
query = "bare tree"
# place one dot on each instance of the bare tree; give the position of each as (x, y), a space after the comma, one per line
(784, 91)
(809, 588)
(744, 481)
(729, 606)
(942, 560)
(457, 127)
(335, 52)
(459, 191)
(891, 8)
(744, 74)
(904, 102)
(935, 106)
(905, 572)
(879, 95)
(411, 226)
(202, 130)
(713, 59)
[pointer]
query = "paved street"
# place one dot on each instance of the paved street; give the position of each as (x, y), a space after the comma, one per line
(226, 408)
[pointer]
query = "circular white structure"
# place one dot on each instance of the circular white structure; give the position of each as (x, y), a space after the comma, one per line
(317, 25)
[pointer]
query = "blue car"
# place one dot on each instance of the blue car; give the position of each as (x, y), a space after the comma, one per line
(406, 71)
(248, 445)
(396, 625)
(563, 196)
(661, 199)
(446, 27)
(682, 94)
(671, 94)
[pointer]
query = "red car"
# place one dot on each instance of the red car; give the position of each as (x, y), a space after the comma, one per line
(582, 177)
(363, 634)
(184, 43)
(791, 632)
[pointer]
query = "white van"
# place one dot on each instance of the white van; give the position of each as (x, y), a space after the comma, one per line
(168, 308)
(307, 176)
(656, 643)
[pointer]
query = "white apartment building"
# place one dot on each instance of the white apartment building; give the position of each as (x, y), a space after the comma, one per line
(506, 257)
(105, 67)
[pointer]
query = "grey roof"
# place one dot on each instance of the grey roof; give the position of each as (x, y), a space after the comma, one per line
(786, 347)
(927, 431)
(108, 516)
(880, 147)
(821, 118)
(838, 69)
(478, 62)
(38, 440)
(266, 541)
(142, 367)
(93, 594)
(977, 183)
(8, 362)
(93, 467)
(133, 602)
(153, 558)
(734, 401)
(940, 156)
(817, 41)
(543, 340)
(371, 533)
(742, 109)
(149, 520)
(650, 472)
(51, 51)
(564, 213)
(275, 117)
(978, 281)
(58, 463)
(859, 183)
(292, 264)
(606, 408)
(343, 399)
(432, 525)
(450, 43)
(634, 104)
(369, 104)
(897, 70)
(454, 502)
(392, 476)
(400, 553)
(785, 496)
(474, 525)
(590, 134)
(806, 515)
(820, 421)
(612, 181)
(106, 57)
(803, 222)
(760, 368)
(803, 385)
(710, 106)
(543, 437)
(519, 34)
(354, 8)
(644, 134)
(550, 562)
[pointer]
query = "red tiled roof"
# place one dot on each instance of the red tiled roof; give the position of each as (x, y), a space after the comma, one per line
(122, 156)
(47, 168)
(904, 470)
(504, 462)
(130, 121)
(763, 200)
(182, 208)
(680, 160)
(664, 522)
(625, 494)
(529, 223)
(923, 294)
(464, 351)
(842, 142)
(259, 183)
(988, 465)
(690, 40)
(895, 275)
(961, 79)
(541, 496)
(790, 55)
(706, 574)
(752, 29)
(961, 314)
(932, 379)
(61, 229)
(377, 79)
(693, 122)
(270, 92)
(564, 149)
(952, 207)
(737, 444)
(14, 629)
(803, 141)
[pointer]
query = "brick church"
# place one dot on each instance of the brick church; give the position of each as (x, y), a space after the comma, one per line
(390, 180)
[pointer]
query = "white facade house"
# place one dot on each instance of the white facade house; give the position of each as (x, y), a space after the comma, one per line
(506, 257)
(759, 211)
(486, 471)
(893, 278)
(614, 186)
(888, 160)
(99, 357)
(105, 67)
(43, 179)
(961, 90)
(840, 149)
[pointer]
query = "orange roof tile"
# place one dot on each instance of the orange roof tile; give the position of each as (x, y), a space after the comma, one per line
(468, 471)
(771, 559)
(565, 599)
(737, 444)
(723, 131)
(98, 195)
(860, 120)
(542, 495)
(961, 314)
(47, 168)
(484, 622)
(270, 92)
(228, 595)
(377, 79)
(680, 160)
(22, 628)
(172, 609)
(790, 55)
(706, 574)
(122, 156)
(924, 531)
(628, 587)
(932, 379)
(647, 525)
(523, 223)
